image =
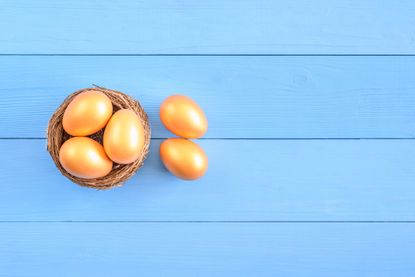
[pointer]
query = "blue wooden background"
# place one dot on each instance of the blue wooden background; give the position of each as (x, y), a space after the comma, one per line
(311, 106)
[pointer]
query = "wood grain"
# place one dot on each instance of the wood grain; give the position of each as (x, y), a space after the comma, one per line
(244, 97)
(206, 249)
(247, 180)
(290, 89)
(212, 27)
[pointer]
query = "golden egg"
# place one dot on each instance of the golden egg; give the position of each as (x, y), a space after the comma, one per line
(124, 137)
(184, 158)
(87, 113)
(183, 117)
(84, 158)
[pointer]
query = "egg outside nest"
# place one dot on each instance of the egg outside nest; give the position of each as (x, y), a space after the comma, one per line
(120, 173)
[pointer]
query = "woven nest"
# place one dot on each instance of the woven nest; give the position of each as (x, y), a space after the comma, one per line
(57, 136)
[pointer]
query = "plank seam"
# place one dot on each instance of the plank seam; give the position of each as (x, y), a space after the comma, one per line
(218, 221)
(205, 55)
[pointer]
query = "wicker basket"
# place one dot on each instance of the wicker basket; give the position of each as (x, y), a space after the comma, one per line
(57, 136)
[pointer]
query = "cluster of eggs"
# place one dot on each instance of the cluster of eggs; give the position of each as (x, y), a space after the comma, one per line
(181, 156)
(123, 139)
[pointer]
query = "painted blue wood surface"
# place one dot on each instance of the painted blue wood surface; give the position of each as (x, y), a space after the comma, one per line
(248, 180)
(308, 205)
(206, 249)
(215, 26)
(244, 97)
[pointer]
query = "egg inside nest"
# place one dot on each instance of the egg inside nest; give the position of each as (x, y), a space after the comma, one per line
(98, 136)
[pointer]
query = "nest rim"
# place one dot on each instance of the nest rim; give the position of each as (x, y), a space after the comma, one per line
(120, 173)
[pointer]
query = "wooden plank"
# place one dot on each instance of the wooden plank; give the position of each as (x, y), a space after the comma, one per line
(206, 249)
(266, 180)
(225, 27)
(244, 97)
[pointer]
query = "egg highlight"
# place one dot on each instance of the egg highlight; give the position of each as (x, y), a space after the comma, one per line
(84, 158)
(87, 113)
(183, 117)
(183, 158)
(124, 137)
